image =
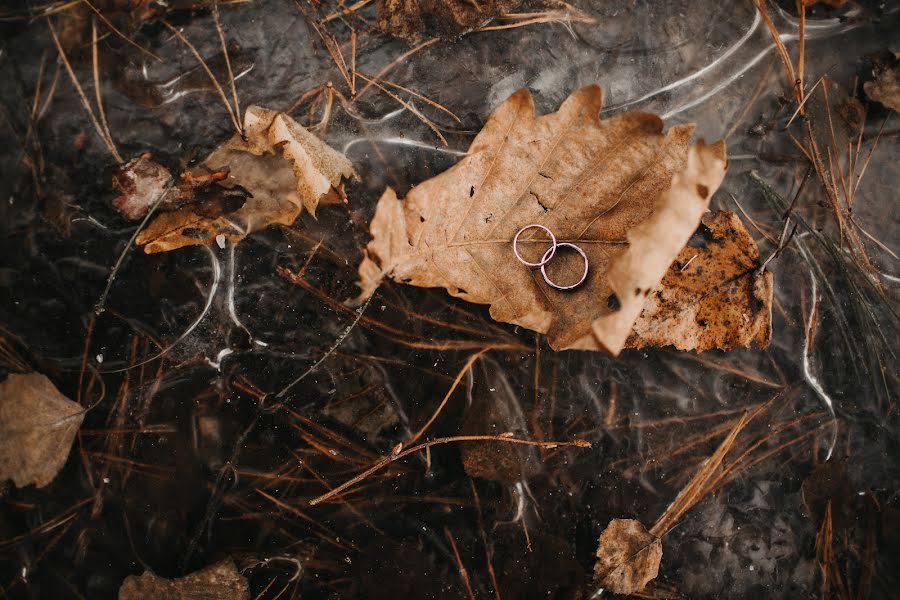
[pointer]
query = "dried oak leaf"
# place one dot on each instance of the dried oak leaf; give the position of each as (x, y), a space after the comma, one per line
(282, 166)
(628, 194)
(414, 20)
(37, 427)
(713, 295)
(627, 558)
(220, 581)
(885, 88)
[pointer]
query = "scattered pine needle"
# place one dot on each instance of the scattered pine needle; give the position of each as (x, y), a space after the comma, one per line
(119, 33)
(408, 107)
(234, 94)
(463, 573)
(235, 118)
(399, 453)
(96, 68)
(84, 100)
(449, 393)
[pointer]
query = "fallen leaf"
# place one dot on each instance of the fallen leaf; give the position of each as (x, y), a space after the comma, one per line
(140, 182)
(220, 581)
(282, 166)
(712, 296)
(143, 182)
(37, 427)
(628, 194)
(627, 558)
(885, 88)
(414, 20)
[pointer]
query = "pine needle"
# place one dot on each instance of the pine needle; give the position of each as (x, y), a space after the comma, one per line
(235, 118)
(234, 95)
(100, 111)
(82, 96)
(119, 33)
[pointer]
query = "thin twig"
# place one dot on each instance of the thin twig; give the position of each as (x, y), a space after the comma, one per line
(337, 342)
(424, 99)
(384, 71)
(779, 45)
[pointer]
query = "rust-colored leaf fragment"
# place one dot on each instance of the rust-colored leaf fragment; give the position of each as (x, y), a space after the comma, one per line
(656, 241)
(606, 185)
(414, 20)
(281, 166)
(220, 581)
(37, 427)
(712, 296)
(627, 558)
(885, 88)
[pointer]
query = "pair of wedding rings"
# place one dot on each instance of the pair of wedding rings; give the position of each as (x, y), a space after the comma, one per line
(548, 256)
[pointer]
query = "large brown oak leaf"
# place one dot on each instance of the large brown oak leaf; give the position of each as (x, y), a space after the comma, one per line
(624, 191)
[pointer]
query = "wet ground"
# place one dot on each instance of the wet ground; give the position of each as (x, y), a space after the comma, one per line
(190, 454)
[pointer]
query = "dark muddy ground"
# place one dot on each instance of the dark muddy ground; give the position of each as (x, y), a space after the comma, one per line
(187, 457)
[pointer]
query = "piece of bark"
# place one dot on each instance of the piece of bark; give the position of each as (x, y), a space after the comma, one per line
(610, 186)
(281, 166)
(37, 427)
(627, 558)
(712, 296)
(220, 581)
(414, 20)
(885, 88)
